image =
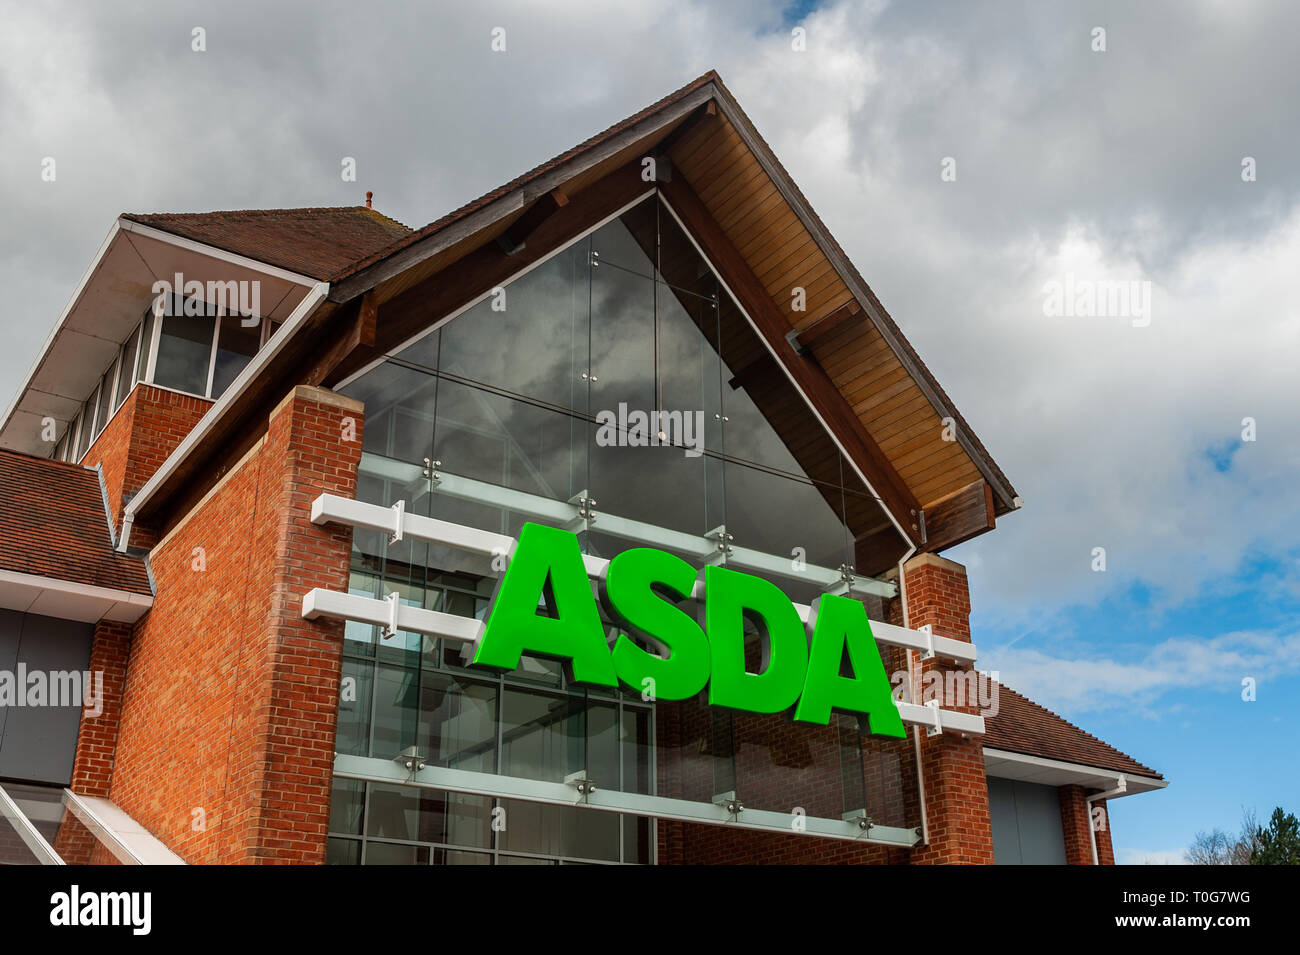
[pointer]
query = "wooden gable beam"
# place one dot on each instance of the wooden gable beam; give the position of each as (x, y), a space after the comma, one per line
(357, 334)
(807, 373)
(516, 235)
(803, 341)
(958, 517)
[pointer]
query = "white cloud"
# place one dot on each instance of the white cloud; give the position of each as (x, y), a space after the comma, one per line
(1137, 677)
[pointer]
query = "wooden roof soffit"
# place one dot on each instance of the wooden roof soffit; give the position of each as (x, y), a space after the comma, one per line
(811, 378)
(803, 341)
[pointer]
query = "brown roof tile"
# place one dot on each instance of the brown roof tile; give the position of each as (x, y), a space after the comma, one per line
(1022, 726)
(314, 242)
(53, 524)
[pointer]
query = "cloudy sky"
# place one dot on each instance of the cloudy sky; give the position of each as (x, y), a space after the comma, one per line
(1120, 432)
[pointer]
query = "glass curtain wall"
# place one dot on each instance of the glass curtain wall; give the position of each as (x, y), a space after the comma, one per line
(550, 386)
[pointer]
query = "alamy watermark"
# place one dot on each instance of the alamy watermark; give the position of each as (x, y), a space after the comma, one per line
(1087, 298)
(198, 299)
(82, 689)
(647, 429)
(951, 689)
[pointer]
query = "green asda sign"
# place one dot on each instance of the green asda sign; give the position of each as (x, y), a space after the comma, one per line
(801, 668)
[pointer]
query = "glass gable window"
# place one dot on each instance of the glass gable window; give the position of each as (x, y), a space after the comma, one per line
(184, 352)
(549, 388)
(237, 342)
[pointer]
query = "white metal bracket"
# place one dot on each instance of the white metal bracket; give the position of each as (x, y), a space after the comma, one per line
(394, 601)
(399, 521)
(928, 630)
(937, 728)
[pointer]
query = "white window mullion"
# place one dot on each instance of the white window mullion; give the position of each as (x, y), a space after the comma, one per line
(212, 357)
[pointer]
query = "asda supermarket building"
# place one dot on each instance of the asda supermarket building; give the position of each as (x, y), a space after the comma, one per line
(600, 520)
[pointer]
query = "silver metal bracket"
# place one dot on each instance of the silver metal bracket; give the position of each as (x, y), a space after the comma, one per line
(723, 541)
(431, 471)
(861, 819)
(586, 511)
(581, 783)
(845, 587)
(729, 802)
(411, 759)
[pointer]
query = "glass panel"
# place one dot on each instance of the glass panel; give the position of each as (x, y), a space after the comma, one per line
(236, 345)
(628, 242)
(343, 852)
(125, 379)
(542, 734)
(532, 340)
(484, 435)
(104, 404)
(401, 403)
(623, 356)
(560, 831)
(356, 698)
(146, 346)
(458, 722)
(346, 804)
(184, 353)
(387, 853)
(87, 427)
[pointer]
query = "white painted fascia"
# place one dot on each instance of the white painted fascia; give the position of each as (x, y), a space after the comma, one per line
(1104, 777)
(123, 605)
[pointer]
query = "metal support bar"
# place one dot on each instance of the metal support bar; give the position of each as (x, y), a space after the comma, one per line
(369, 769)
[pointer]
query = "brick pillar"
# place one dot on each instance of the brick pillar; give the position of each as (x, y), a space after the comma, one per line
(1105, 851)
(225, 748)
(299, 665)
(1075, 823)
(92, 769)
(956, 789)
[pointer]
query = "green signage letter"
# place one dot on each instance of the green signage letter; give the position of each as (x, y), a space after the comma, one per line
(731, 598)
(836, 623)
(546, 564)
(631, 598)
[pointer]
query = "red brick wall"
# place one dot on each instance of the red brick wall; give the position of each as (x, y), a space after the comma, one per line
(146, 429)
(956, 789)
(225, 749)
(1075, 823)
(92, 770)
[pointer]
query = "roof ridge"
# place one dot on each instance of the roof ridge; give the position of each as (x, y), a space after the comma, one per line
(261, 212)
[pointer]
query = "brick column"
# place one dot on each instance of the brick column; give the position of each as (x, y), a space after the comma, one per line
(225, 749)
(1075, 823)
(956, 789)
(288, 780)
(92, 769)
